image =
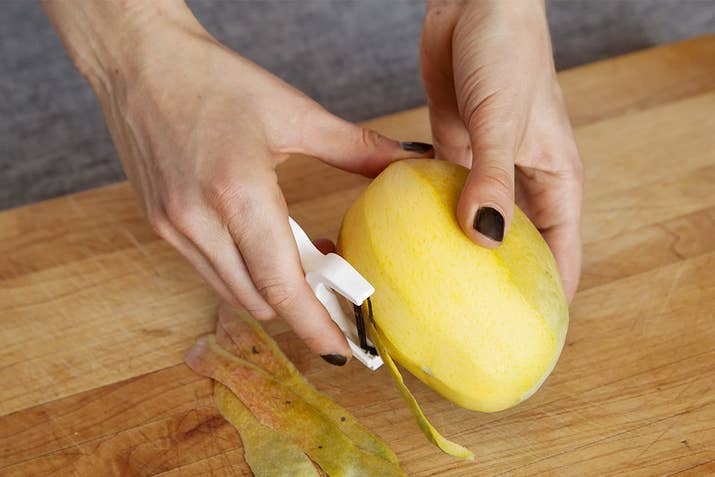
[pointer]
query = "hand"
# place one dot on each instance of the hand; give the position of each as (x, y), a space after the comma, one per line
(496, 106)
(200, 131)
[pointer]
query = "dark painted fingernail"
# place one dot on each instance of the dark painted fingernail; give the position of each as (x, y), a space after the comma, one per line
(335, 359)
(490, 222)
(419, 147)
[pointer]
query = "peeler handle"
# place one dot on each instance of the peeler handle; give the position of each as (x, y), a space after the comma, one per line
(328, 273)
(331, 269)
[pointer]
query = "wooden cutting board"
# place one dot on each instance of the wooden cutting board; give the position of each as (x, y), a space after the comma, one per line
(96, 313)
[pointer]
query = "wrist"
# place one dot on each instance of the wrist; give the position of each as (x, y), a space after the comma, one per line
(105, 39)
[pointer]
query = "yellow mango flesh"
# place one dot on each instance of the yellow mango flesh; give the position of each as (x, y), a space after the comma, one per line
(482, 327)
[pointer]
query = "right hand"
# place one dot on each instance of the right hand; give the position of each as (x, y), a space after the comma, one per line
(496, 106)
(200, 131)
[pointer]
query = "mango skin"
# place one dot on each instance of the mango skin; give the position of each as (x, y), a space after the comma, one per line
(484, 328)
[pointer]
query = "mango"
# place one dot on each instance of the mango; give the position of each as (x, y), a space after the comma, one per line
(430, 432)
(482, 327)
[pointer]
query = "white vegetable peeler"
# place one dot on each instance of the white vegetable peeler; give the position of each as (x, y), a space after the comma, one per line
(331, 273)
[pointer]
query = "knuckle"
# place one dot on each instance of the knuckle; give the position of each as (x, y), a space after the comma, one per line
(226, 197)
(217, 188)
(158, 222)
(499, 178)
(181, 213)
(277, 292)
(565, 167)
(478, 107)
(255, 306)
(368, 138)
(262, 313)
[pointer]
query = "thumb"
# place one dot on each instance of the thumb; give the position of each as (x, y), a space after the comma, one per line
(486, 206)
(354, 148)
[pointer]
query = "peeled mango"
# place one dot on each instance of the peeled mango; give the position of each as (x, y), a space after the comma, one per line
(482, 327)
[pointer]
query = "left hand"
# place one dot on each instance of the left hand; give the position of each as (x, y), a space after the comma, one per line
(496, 106)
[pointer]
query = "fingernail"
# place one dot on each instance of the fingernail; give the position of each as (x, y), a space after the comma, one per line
(419, 147)
(490, 222)
(335, 359)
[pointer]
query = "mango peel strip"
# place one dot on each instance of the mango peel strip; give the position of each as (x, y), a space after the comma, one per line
(267, 452)
(450, 447)
(249, 341)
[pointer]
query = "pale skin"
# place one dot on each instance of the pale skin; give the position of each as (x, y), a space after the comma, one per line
(200, 130)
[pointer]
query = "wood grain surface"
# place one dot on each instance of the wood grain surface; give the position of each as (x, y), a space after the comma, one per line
(96, 313)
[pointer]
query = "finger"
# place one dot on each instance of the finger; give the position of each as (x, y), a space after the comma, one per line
(216, 244)
(450, 137)
(551, 199)
(565, 243)
(353, 148)
(486, 204)
(187, 249)
(324, 245)
(261, 230)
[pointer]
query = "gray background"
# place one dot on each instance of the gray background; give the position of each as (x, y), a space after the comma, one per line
(357, 58)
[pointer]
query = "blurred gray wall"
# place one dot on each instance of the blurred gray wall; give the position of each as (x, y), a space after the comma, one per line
(357, 58)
